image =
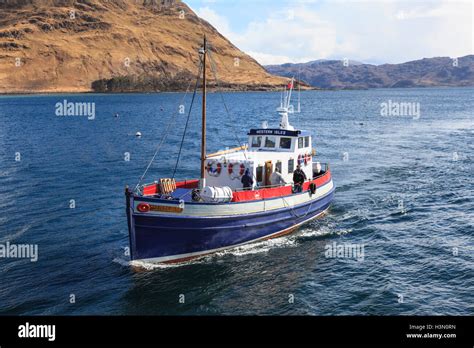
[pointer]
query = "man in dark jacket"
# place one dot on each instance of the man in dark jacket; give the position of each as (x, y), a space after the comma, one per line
(247, 180)
(299, 178)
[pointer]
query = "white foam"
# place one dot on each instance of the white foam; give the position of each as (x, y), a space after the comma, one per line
(314, 232)
(121, 262)
(258, 247)
(149, 266)
(261, 247)
(247, 249)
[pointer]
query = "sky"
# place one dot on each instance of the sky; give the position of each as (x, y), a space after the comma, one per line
(369, 31)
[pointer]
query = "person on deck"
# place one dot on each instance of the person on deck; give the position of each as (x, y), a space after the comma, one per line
(299, 178)
(276, 179)
(247, 180)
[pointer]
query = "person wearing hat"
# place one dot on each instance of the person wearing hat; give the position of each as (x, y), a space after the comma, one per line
(299, 177)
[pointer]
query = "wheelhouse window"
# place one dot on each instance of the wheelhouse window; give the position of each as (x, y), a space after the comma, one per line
(306, 142)
(300, 143)
(270, 142)
(285, 143)
(256, 141)
(291, 166)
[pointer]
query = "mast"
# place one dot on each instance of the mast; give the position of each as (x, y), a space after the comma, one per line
(286, 108)
(299, 91)
(202, 183)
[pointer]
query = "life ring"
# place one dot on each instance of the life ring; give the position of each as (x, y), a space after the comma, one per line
(230, 169)
(214, 171)
(143, 207)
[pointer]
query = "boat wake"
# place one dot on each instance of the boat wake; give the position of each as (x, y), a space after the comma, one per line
(312, 232)
(257, 247)
(243, 250)
(262, 247)
(150, 266)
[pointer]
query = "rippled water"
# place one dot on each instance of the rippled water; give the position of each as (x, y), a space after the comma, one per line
(404, 193)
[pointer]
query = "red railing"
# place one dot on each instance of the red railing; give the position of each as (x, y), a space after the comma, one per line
(271, 192)
(153, 189)
(241, 195)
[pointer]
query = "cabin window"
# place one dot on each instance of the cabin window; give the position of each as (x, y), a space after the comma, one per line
(285, 143)
(256, 141)
(300, 143)
(259, 174)
(306, 141)
(270, 142)
(291, 166)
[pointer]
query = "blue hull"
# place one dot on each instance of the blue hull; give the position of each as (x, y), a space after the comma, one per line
(177, 238)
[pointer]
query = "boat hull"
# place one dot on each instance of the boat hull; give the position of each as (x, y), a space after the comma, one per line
(171, 238)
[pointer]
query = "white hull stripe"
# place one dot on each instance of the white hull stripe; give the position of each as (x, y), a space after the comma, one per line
(230, 209)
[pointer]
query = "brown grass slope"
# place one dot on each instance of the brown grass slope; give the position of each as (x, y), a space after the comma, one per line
(66, 45)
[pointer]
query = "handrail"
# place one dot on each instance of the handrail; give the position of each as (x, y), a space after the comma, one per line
(262, 187)
(288, 184)
(325, 169)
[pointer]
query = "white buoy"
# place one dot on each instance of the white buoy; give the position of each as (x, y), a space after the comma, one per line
(138, 134)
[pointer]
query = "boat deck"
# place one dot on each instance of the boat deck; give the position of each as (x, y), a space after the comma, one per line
(184, 190)
(184, 194)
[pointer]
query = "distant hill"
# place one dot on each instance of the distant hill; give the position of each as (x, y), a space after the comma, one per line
(425, 72)
(119, 45)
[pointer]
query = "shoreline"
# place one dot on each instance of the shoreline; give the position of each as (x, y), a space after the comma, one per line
(222, 91)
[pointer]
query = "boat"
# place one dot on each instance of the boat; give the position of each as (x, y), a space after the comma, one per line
(172, 221)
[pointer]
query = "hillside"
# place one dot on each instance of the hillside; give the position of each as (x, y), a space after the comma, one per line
(71, 45)
(427, 72)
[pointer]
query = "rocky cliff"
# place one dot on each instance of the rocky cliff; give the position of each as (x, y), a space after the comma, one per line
(120, 45)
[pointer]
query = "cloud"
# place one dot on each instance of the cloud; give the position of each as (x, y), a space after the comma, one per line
(294, 33)
(269, 59)
(276, 39)
(217, 21)
(369, 31)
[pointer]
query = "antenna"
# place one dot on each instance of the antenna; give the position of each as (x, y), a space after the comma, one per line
(202, 182)
(285, 106)
(299, 89)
